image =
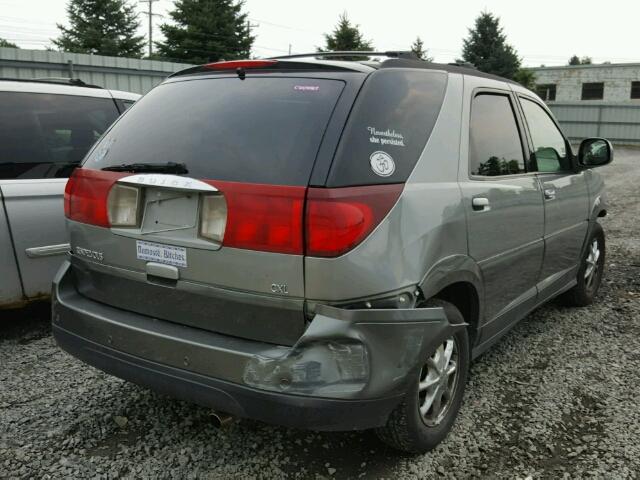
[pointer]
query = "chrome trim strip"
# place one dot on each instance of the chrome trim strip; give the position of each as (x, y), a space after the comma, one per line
(48, 250)
(168, 181)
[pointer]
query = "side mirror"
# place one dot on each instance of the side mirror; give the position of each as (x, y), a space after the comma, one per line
(595, 152)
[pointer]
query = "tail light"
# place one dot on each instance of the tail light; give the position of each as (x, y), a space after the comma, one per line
(270, 218)
(123, 206)
(263, 217)
(338, 219)
(86, 193)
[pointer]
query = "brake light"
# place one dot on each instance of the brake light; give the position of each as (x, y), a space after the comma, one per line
(86, 193)
(338, 219)
(263, 217)
(244, 64)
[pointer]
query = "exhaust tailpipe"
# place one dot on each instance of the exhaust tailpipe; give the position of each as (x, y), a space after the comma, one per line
(221, 419)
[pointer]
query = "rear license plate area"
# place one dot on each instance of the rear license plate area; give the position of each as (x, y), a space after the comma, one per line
(158, 252)
(167, 210)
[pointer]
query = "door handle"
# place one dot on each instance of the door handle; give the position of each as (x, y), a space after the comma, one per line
(480, 204)
(549, 193)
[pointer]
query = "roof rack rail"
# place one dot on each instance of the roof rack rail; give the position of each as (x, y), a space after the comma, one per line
(463, 64)
(389, 54)
(76, 82)
(71, 81)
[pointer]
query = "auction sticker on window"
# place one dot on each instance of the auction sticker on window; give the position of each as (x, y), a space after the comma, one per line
(157, 252)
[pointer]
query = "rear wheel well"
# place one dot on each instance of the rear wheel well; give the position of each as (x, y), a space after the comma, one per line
(465, 297)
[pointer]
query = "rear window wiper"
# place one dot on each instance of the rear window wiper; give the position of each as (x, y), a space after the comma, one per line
(168, 167)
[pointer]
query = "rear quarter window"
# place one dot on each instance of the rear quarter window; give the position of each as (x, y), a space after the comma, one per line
(388, 128)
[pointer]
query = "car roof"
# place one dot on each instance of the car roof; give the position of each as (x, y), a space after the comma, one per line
(369, 62)
(58, 88)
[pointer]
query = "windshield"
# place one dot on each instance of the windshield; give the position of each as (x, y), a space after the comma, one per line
(256, 130)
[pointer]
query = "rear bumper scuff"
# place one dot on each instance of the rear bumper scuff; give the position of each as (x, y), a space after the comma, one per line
(348, 371)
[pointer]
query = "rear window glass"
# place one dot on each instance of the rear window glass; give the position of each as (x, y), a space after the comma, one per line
(256, 130)
(388, 128)
(45, 136)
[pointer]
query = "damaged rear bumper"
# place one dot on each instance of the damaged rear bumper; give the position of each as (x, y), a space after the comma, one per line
(349, 370)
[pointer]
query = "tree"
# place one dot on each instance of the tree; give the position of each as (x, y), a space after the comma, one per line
(526, 78)
(7, 43)
(206, 31)
(486, 47)
(102, 27)
(418, 49)
(346, 37)
(575, 60)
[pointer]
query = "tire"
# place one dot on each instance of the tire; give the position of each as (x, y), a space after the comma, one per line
(406, 429)
(586, 290)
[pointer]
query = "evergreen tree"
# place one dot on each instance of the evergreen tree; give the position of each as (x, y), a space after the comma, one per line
(346, 37)
(7, 43)
(101, 27)
(418, 49)
(574, 60)
(486, 47)
(206, 31)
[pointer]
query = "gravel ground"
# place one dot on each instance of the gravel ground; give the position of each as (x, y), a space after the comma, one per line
(556, 398)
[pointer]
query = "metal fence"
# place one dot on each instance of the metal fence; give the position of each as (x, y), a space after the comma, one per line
(618, 123)
(128, 74)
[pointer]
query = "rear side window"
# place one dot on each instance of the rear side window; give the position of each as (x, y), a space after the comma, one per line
(494, 140)
(388, 128)
(45, 136)
(256, 130)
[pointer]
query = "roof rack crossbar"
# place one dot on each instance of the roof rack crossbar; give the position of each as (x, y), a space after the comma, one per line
(389, 54)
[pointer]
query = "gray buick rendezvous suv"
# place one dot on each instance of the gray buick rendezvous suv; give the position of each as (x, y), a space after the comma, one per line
(323, 243)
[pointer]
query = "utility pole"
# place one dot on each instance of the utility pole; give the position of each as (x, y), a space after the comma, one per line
(249, 27)
(151, 14)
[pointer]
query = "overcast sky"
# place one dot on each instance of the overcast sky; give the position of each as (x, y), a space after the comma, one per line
(543, 32)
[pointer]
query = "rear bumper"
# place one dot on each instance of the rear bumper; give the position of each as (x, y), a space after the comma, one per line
(348, 371)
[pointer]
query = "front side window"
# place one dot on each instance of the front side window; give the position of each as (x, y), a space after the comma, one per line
(46, 136)
(549, 144)
(635, 90)
(593, 91)
(494, 141)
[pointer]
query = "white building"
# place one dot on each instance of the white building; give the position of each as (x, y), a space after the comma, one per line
(608, 82)
(594, 100)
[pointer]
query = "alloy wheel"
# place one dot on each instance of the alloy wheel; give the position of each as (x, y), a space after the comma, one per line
(437, 383)
(592, 265)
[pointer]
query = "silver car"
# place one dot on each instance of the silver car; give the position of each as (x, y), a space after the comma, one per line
(46, 128)
(323, 243)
